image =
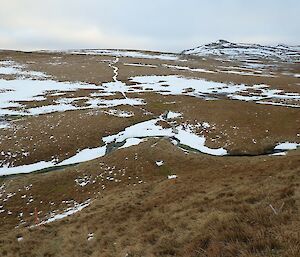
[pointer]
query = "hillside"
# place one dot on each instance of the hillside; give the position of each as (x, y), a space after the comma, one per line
(140, 153)
(223, 48)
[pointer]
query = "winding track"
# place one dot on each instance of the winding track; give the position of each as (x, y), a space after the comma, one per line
(116, 73)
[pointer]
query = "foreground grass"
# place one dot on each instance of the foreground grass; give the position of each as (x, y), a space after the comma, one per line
(237, 206)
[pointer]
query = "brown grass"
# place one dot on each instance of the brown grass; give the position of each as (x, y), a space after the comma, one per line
(216, 207)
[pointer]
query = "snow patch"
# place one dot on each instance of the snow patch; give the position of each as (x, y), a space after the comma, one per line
(70, 211)
(124, 53)
(173, 115)
(120, 113)
(287, 146)
(246, 51)
(159, 163)
(176, 85)
(131, 142)
(132, 135)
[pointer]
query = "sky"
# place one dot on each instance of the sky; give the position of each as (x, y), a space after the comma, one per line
(163, 25)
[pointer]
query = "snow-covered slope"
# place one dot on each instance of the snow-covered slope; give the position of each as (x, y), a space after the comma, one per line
(247, 51)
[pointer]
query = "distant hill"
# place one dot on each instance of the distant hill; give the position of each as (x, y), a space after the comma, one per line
(231, 50)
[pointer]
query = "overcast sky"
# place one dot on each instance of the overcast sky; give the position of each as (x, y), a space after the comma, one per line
(166, 25)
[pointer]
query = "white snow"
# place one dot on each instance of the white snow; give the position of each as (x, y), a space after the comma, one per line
(19, 239)
(140, 130)
(84, 155)
(279, 104)
(102, 103)
(172, 176)
(48, 109)
(279, 154)
(287, 146)
(5, 170)
(131, 136)
(205, 125)
(197, 142)
(159, 163)
(131, 142)
(140, 65)
(90, 236)
(124, 53)
(188, 68)
(82, 182)
(13, 91)
(4, 124)
(176, 85)
(23, 90)
(119, 113)
(70, 211)
(8, 70)
(13, 68)
(246, 51)
(173, 115)
(244, 73)
(151, 129)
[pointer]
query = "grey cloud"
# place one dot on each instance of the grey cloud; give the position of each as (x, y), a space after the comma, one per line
(168, 25)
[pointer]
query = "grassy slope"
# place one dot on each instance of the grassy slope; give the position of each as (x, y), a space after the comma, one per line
(231, 206)
(217, 207)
